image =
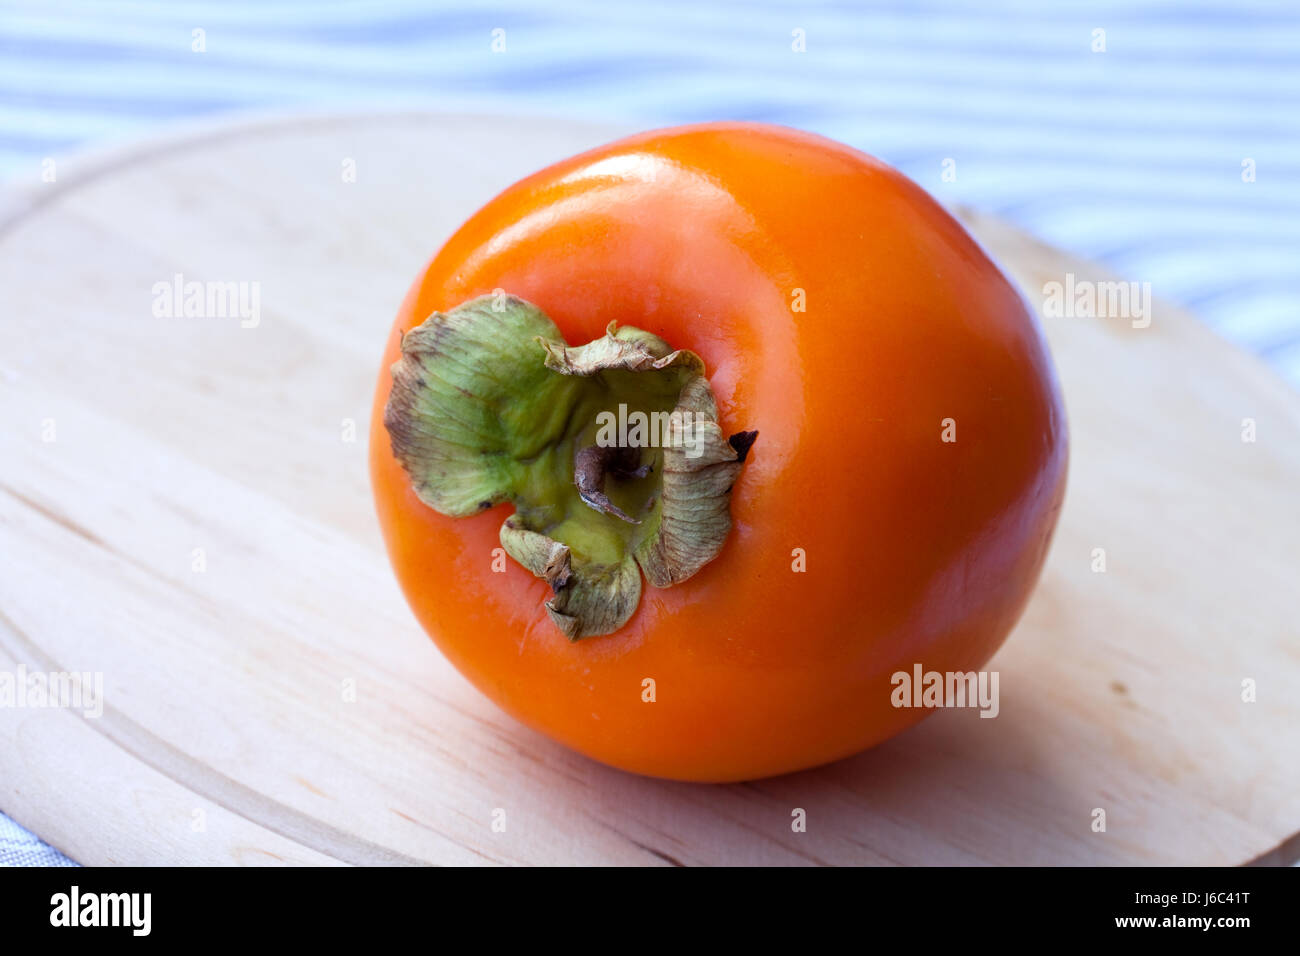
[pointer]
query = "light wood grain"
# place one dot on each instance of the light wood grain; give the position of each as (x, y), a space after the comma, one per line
(227, 735)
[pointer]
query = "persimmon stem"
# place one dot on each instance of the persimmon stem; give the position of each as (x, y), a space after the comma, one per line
(480, 415)
(591, 466)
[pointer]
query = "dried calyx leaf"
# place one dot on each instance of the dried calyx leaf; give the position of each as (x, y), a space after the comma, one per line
(610, 451)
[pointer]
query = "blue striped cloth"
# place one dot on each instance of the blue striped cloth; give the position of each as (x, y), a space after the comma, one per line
(1125, 132)
(20, 848)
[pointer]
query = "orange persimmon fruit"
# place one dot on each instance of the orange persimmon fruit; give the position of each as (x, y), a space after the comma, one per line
(735, 608)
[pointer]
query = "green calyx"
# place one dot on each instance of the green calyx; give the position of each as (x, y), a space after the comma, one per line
(610, 452)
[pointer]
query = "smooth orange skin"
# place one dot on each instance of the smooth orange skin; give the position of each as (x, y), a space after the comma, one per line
(917, 550)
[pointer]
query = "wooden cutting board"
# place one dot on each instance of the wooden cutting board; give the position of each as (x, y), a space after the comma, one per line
(184, 507)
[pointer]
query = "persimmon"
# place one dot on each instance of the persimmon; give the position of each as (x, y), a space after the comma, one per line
(861, 450)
